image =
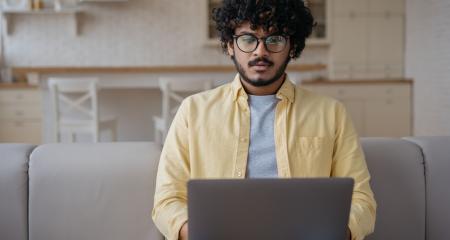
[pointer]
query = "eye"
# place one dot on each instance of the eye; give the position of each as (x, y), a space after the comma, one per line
(275, 40)
(248, 39)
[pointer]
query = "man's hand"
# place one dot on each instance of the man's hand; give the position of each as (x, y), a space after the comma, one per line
(184, 232)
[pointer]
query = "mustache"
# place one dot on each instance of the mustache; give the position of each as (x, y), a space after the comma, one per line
(261, 59)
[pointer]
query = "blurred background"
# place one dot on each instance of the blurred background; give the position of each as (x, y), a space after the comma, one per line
(388, 61)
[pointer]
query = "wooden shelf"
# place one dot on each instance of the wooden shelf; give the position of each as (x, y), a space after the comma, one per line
(310, 42)
(317, 42)
(366, 81)
(9, 14)
(153, 69)
(4, 85)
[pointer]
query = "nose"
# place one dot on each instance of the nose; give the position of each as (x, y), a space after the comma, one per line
(261, 50)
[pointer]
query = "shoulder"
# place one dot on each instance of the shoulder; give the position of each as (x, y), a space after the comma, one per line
(210, 96)
(207, 101)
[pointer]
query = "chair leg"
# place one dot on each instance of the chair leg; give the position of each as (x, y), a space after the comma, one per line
(73, 137)
(157, 137)
(58, 137)
(114, 131)
(95, 137)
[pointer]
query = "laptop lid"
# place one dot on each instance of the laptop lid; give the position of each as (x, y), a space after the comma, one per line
(268, 209)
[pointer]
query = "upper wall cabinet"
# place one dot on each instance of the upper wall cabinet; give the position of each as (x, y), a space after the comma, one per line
(368, 39)
(100, 1)
(320, 9)
(212, 33)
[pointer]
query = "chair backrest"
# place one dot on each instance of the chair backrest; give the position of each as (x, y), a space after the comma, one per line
(74, 99)
(175, 89)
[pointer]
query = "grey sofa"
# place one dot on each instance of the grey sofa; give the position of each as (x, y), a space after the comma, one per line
(105, 191)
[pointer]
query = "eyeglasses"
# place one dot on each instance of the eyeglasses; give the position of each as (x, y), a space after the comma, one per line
(249, 42)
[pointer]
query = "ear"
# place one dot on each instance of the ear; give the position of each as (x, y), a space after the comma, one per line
(230, 48)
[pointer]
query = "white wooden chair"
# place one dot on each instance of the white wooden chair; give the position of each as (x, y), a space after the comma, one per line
(75, 109)
(174, 90)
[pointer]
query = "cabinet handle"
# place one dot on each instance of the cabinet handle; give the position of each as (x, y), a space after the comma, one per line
(19, 96)
(352, 15)
(18, 124)
(387, 14)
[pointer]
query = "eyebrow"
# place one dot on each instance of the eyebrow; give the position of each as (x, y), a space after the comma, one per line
(254, 33)
(246, 32)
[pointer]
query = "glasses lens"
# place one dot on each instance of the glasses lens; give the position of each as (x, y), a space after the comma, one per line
(276, 43)
(247, 43)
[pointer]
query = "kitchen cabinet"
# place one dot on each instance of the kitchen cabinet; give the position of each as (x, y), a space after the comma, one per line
(8, 17)
(20, 115)
(367, 39)
(377, 108)
(320, 9)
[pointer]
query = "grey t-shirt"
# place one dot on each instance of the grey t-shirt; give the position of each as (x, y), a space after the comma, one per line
(262, 161)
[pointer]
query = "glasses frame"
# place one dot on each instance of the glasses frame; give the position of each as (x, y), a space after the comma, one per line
(258, 40)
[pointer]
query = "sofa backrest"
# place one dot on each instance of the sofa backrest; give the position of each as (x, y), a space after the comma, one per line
(105, 191)
(436, 152)
(398, 182)
(14, 191)
(98, 191)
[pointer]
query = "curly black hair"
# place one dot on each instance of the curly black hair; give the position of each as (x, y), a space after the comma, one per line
(287, 17)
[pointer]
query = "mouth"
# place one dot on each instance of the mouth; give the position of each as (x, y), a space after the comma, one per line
(260, 66)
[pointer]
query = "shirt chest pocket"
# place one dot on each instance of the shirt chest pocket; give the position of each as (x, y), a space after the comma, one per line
(313, 156)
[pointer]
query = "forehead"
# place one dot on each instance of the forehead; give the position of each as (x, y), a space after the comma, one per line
(245, 28)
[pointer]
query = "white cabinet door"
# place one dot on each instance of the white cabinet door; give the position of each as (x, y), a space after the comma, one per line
(20, 116)
(391, 7)
(349, 57)
(349, 40)
(344, 8)
(385, 47)
(367, 39)
(20, 96)
(388, 117)
(21, 132)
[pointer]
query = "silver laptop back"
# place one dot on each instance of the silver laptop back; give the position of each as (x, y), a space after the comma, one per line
(269, 209)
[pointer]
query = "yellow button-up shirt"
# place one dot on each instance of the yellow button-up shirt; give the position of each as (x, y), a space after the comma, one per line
(209, 138)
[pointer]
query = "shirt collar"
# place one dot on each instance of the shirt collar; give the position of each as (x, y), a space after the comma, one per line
(287, 90)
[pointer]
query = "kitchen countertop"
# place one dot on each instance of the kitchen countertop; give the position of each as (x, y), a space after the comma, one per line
(357, 81)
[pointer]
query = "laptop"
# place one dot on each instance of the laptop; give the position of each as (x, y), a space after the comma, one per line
(269, 209)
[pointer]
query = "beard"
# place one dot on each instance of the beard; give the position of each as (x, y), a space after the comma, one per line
(258, 82)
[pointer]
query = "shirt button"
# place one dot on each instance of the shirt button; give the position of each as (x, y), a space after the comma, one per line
(239, 173)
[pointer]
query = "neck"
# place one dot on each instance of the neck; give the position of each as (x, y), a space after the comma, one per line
(263, 90)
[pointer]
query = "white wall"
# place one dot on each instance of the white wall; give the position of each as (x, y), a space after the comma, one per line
(428, 63)
(133, 33)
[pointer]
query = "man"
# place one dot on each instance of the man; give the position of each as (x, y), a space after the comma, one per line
(260, 125)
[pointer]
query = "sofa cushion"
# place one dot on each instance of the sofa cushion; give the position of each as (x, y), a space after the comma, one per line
(398, 182)
(100, 191)
(14, 191)
(436, 151)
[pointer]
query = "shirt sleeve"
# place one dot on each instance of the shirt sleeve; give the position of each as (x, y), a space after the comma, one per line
(170, 201)
(349, 161)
